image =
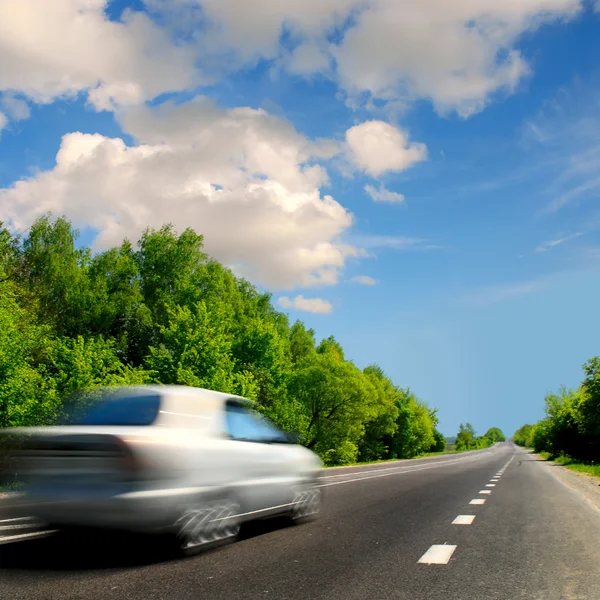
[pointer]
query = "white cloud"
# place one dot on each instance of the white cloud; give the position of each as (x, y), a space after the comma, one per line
(15, 107)
(313, 305)
(377, 147)
(58, 48)
(241, 177)
(383, 194)
(364, 280)
(545, 246)
(563, 138)
(308, 59)
(456, 54)
(3, 121)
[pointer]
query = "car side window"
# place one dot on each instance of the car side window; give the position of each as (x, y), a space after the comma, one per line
(244, 424)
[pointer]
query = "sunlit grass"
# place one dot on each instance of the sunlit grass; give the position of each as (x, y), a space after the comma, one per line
(450, 450)
(581, 467)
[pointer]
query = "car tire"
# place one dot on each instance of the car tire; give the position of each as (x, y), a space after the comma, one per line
(307, 502)
(205, 524)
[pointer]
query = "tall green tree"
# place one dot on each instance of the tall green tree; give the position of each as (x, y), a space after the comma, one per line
(165, 312)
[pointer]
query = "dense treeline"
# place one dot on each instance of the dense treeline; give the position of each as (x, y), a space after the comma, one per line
(571, 426)
(467, 440)
(165, 312)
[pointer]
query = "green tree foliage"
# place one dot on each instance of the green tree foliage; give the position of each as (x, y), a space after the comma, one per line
(494, 435)
(571, 425)
(467, 440)
(165, 312)
(522, 436)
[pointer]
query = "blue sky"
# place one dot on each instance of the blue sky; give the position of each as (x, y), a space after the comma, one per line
(469, 273)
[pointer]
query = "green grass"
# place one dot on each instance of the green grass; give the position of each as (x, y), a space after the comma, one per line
(386, 460)
(580, 467)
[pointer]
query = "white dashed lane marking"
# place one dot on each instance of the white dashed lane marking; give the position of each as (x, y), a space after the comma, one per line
(477, 501)
(438, 554)
(490, 485)
(17, 519)
(463, 520)
(485, 491)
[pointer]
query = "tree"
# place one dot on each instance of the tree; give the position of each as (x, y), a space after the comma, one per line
(493, 434)
(588, 415)
(522, 436)
(439, 443)
(165, 312)
(415, 427)
(333, 395)
(465, 439)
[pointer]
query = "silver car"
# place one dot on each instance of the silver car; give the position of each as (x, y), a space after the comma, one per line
(192, 462)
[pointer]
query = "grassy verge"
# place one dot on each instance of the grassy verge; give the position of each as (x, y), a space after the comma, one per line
(387, 460)
(574, 465)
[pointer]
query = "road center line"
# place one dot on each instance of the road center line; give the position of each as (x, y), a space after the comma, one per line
(438, 554)
(463, 520)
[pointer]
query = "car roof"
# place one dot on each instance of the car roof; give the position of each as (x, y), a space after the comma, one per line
(176, 390)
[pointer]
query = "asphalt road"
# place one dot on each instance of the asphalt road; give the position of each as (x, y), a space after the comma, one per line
(532, 538)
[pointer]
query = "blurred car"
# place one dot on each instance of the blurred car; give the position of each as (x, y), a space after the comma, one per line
(186, 461)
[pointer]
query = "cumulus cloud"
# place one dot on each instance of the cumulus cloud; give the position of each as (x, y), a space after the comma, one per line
(382, 194)
(377, 147)
(364, 280)
(59, 48)
(456, 54)
(16, 108)
(241, 177)
(308, 59)
(313, 305)
(3, 121)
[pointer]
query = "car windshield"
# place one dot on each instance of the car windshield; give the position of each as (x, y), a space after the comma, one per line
(135, 410)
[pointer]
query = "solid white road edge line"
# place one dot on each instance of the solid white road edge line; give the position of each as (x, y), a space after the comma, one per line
(25, 536)
(437, 555)
(397, 472)
(463, 520)
(405, 466)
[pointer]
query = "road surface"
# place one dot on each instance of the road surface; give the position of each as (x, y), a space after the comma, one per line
(407, 530)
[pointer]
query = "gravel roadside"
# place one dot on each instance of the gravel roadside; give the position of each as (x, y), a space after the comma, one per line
(585, 485)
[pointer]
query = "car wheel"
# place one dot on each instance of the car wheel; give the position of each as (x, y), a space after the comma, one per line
(206, 524)
(307, 503)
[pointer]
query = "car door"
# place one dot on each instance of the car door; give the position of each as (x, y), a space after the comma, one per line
(267, 475)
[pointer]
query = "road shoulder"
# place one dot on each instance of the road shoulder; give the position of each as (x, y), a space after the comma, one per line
(583, 484)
